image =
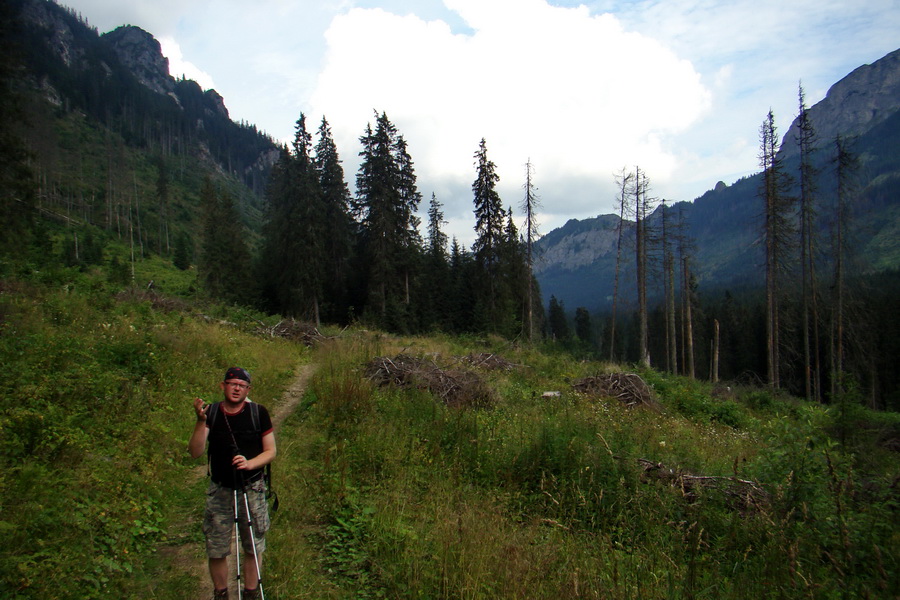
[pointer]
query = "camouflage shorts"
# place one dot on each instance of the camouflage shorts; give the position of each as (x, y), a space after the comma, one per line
(218, 522)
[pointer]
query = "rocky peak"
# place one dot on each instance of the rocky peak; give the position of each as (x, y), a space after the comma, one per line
(141, 53)
(578, 244)
(58, 32)
(853, 105)
(214, 99)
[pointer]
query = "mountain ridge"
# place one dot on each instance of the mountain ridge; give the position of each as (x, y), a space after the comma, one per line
(577, 263)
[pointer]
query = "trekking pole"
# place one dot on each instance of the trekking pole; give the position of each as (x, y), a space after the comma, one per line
(262, 594)
(237, 545)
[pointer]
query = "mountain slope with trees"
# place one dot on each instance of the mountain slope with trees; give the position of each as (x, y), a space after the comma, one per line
(136, 264)
(122, 153)
(786, 275)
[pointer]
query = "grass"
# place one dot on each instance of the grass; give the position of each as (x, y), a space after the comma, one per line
(388, 493)
(94, 432)
(533, 498)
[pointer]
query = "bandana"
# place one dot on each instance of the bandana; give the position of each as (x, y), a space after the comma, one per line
(237, 373)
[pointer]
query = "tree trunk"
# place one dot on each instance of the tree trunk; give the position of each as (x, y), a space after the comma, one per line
(689, 327)
(714, 372)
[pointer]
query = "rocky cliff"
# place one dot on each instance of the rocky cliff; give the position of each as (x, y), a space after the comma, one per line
(853, 105)
(578, 260)
(141, 53)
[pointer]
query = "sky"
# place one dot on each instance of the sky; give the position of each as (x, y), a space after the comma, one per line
(580, 90)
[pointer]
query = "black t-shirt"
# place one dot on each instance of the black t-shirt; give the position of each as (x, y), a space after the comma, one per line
(221, 446)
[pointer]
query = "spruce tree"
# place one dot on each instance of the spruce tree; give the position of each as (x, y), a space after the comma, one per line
(272, 258)
(806, 141)
(530, 204)
(778, 232)
(583, 328)
(300, 233)
(489, 225)
(337, 224)
(224, 264)
(435, 275)
(462, 296)
(385, 205)
(556, 320)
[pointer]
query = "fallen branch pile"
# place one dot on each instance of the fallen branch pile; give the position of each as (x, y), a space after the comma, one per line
(742, 494)
(298, 331)
(455, 387)
(627, 388)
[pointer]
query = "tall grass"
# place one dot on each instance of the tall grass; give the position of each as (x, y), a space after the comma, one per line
(538, 498)
(389, 493)
(93, 431)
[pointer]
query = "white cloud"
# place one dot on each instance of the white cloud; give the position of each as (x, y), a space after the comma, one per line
(178, 66)
(678, 87)
(573, 92)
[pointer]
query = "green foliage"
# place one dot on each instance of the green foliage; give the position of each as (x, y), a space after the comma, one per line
(92, 437)
(387, 492)
(540, 498)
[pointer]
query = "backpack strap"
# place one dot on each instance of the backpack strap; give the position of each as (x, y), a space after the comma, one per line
(254, 415)
(211, 414)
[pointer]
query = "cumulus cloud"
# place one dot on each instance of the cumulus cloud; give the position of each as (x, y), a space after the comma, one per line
(573, 92)
(678, 87)
(178, 66)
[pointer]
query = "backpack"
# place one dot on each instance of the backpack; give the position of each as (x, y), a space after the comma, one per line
(211, 415)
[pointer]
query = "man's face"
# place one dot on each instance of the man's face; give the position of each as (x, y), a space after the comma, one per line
(236, 390)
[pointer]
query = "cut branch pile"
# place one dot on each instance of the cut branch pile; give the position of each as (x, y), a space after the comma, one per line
(157, 301)
(742, 494)
(627, 388)
(485, 360)
(298, 331)
(455, 387)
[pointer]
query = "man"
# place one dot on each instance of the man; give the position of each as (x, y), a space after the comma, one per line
(240, 445)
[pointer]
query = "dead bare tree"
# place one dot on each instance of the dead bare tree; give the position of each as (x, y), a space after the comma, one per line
(624, 180)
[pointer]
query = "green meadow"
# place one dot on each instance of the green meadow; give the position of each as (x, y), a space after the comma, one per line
(399, 490)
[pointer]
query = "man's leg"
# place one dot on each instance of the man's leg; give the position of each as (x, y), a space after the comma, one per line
(256, 498)
(251, 577)
(218, 571)
(218, 526)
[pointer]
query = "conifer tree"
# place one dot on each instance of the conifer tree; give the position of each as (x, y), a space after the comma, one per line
(530, 205)
(642, 209)
(846, 165)
(624, 181)
(385, 205)
(295, 232)
(669, 287)
(462, 288)
(224, 264)
(162, 195)
(410, 198)
(435, 276)
(778, 231)
(489, 225)
(337, 223)
(806, 141)
(515, 280)
(272, 259)
(556, 320)
(583, 329)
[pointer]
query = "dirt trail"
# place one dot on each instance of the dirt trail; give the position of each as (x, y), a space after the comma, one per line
(189, 557)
